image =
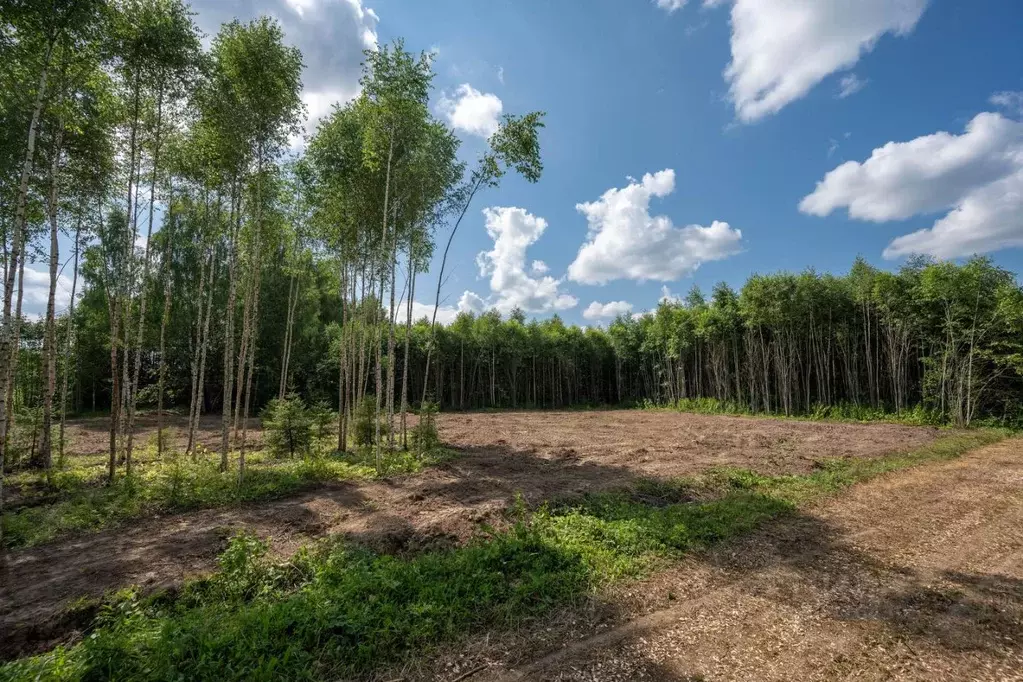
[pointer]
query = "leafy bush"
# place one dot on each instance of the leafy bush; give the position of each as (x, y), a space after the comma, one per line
(24, 436)
(287, 426)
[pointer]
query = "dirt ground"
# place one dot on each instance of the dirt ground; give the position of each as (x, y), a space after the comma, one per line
(92, 436)
(917, 575)
(542, 455)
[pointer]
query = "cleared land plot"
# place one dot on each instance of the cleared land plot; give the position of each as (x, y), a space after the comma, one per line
(917, 575)
(541, 455)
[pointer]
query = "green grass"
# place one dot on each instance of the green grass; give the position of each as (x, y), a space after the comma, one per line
(76, 499)
(917, 415)
(335, 610)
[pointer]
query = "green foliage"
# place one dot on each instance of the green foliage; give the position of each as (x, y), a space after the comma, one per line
(288, 426)
(916, 416)
(322, 419)
(337, 611)
(424, 434)
(364, 422)
(171, 485)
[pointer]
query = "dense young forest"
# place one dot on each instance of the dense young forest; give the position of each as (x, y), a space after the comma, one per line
(213, 269)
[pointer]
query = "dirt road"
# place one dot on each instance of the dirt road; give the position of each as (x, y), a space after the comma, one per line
(913, 576)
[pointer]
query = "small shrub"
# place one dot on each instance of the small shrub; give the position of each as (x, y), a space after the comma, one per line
(322, 418)
(424, 434)
(287, 426)
(364, 422)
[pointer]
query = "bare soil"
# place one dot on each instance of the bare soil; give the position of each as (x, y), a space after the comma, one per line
(542, 455)
(92, 436)
(917, 575)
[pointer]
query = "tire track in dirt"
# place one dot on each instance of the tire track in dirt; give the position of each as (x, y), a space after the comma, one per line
(917, 575)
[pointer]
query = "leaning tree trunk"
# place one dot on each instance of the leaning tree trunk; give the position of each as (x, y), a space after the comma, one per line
(440, 283)
(12, 369)
(243, 349)
(405, 364)
(205, 275)
(391, 369)
(116, 386)
(17, 241)
(166, 277)
(203, 345)
(67, 343)
(248, 377)
(379, 333)
(254, 312)
(129, 250)
(134, 386)
(342, 360)
(45, 454)
(293, 289)
(232, 288)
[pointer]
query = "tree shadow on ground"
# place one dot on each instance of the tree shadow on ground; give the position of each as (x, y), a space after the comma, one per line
(952, 609)
(442, 506)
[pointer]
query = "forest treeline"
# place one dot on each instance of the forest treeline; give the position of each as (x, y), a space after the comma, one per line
(939, 340)
(213, 267)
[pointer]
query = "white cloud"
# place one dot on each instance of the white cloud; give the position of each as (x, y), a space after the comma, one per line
(781, 49)
(850, 85)
(626, 242)
(320, 104)
(471, 302)
(668, 297)
(603, 311)
(445, 314)
(539, 267)
(976, 176)
(37, 291)
(670, 6)
(1011, 102)
(331, 34)
(472, 111)
(513, 231)
(500, 74)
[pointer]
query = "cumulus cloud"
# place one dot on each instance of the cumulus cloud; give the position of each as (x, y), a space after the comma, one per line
(850, 85)
(539, 267)
(781, 49)
(472, 111)
(626, 242)
(331, 34)
(976, 176)
(37, 291)
(514, 230)
(603, 311)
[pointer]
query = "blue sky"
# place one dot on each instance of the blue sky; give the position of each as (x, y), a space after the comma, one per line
(734, 109)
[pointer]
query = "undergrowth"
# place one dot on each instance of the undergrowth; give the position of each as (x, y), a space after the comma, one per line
(334, 610)
(917, 415)
(77, 498)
